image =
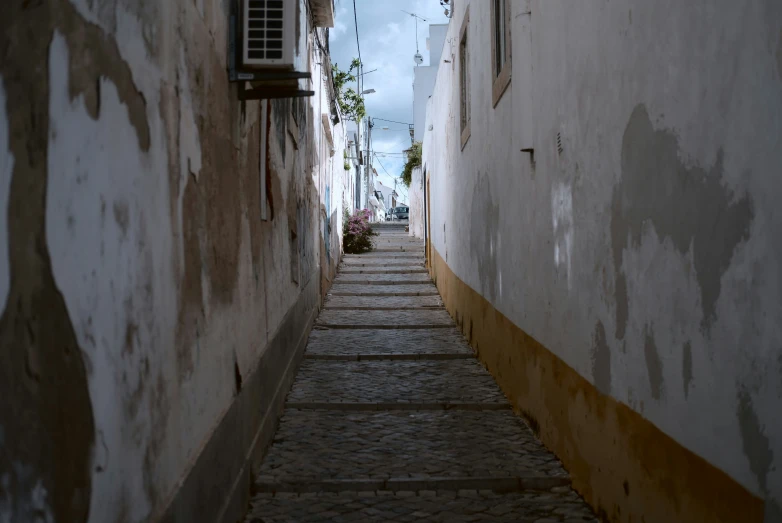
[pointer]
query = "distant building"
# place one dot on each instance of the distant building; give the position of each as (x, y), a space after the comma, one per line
(389, 195)
(424, 77)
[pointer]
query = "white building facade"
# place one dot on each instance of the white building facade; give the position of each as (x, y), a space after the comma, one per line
(602, 221)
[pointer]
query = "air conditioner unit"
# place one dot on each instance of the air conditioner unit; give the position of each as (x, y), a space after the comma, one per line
(269, 33)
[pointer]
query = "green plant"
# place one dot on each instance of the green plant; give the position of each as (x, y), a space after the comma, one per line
(350, 102)
(347, 165)
(413, 161)
(357, 232)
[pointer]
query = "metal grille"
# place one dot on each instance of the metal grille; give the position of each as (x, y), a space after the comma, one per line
(264, 29)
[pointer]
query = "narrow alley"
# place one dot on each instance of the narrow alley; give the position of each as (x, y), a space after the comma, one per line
(391, 417)
(571, 310)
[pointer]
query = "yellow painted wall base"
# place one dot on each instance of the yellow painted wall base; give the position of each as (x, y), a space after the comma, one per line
(625, 468)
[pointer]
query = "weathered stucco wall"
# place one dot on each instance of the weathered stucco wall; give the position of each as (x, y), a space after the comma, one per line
(150, 316)
(640, 247)
(416, 194)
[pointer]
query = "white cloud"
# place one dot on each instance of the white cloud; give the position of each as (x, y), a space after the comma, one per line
(340, 25)
(388, 43)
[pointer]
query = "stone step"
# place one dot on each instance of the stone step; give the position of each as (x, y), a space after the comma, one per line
(389, 357)
(348, 289)
(381, 250)
(383, 303)
(384, 342)
(391, 269)
(371, 406)
(394, 254)
(363, 280)
(374, 319)
(373, 279)
(318, 445)
(381, 262)
(456, 382)
(442, 501)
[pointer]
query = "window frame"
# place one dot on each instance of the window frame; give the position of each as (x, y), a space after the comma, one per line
(464, 79)
(501, 78)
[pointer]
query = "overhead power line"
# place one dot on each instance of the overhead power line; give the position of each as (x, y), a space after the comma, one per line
(392, 121)
(355, 20)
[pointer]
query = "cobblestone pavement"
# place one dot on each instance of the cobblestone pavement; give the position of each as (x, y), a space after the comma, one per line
(391, 418)
(385, 381)
(383, 302)
(372, 342)
(384, 269)
(351, 289)
(385, 278)
(374, 262)
(384, 318)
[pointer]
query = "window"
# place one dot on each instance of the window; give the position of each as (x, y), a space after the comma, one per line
(464, 79)
(500, 48)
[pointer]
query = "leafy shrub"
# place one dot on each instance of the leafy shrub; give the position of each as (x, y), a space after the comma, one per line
(357, 232)
(350, 102)
(413, 161)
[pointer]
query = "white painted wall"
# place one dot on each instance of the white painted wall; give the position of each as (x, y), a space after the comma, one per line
(536, 241)
(416, 194)
(424, 77)
(389, 197)
(435, 42)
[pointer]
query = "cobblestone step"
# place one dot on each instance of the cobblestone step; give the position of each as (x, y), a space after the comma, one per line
(381, 262)
(388, 269)
(398, 281)
(372, 279)
(374, 319)
(391, 418)
(399, 250)
(368, 406)
(407, 484)
(421, 382)
(317, 445)
(383, 302)
(555, 505)
(376, 254)
(368, 342)
(434, 356)
(349, 289)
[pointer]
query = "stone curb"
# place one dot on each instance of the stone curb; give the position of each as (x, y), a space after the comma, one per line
(439, 356)
(395, 405)
(496, 484)
(385, 327)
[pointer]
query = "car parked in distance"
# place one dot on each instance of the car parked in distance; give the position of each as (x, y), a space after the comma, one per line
(401, 213)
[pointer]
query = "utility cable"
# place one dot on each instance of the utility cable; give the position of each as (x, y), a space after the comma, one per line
(355, 20)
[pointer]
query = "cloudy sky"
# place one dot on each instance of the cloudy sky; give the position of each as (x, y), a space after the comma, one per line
(387, 37)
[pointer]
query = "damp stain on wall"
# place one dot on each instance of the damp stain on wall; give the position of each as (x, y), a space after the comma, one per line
(688, 205)
(483, 234)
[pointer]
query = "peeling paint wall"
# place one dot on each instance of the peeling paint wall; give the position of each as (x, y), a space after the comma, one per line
(139, 285)
(416, 194)
(639, 242)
